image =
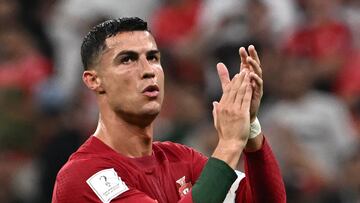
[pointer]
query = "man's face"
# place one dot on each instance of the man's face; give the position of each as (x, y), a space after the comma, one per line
(131, 74)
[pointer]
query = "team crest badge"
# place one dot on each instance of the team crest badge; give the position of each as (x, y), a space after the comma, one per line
(183, 186)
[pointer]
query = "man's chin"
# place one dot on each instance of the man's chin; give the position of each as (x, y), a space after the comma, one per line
(142, 117)
(151, 112)
(152, 108)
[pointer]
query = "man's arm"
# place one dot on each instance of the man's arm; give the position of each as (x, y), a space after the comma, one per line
(232, 119)
(263, 181)
(232, 122)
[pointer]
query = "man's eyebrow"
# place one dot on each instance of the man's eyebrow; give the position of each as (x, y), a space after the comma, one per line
(125, 52)
(153, 52)
(134, 53)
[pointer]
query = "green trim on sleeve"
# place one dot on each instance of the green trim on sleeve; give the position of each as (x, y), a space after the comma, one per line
(214, 182)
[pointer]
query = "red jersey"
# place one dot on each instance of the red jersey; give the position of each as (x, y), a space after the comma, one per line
(97, 173)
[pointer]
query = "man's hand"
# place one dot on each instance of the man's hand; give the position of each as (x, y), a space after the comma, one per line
(232, 118)
(250, 62)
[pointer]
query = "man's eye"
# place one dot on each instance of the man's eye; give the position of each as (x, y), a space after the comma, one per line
(126, 59)
(153, 58)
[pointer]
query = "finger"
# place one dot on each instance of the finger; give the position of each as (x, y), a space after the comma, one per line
(246, 101)
(223, 75)
(253, 85)
(253, 53)
(236, 83)
(229, 91)
(242, 88)
(255, 78)
(243, 55)
(215, 105)
(255, 66)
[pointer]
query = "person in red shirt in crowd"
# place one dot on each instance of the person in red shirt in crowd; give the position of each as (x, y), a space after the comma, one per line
(324, 38)
(22, 66)
(121, 163)
(174, 24)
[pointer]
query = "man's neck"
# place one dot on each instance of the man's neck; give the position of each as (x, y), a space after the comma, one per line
(125, 138)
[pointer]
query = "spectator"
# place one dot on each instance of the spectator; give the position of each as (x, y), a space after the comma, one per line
(312, 132)
(21, 65)
(319, 27)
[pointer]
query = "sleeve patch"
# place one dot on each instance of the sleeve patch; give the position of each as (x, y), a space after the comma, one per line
(107, 184)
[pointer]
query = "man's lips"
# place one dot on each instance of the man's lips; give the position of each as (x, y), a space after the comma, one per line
(151, 91)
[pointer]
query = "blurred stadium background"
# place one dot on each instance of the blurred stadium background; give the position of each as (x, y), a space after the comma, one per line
(310, 51)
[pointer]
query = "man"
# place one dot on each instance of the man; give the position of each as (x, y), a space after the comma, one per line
(121, 163)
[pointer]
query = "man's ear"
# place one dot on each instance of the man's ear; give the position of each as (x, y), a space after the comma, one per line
(92, 81)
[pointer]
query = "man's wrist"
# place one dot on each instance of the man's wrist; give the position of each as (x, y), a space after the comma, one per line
(231, 146)
(254, 144)
(229, 152)
(255, 128)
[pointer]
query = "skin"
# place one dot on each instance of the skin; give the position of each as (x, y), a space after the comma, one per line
(130, 63)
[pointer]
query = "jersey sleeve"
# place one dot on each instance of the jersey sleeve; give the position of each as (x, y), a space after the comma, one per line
(263, 181)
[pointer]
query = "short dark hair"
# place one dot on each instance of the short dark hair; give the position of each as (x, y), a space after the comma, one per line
(94, 42)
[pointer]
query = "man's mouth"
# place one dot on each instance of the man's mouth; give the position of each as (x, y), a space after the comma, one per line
(151, 91)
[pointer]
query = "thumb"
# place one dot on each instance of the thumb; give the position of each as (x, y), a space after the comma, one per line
(214, 112)
(223, 75)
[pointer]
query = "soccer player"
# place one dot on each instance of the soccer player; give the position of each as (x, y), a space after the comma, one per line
(121, 163)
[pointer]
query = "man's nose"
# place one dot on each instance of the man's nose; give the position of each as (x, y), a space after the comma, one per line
(147, 70)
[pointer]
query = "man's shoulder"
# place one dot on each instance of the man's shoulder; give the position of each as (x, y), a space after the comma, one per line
(80, 177)
(87, 160)
(82, 167)
(169, 146)
(176, 151)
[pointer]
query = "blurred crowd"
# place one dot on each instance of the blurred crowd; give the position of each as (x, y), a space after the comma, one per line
(310, 54)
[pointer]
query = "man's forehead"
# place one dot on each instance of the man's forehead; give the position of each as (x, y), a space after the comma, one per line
(131, 40)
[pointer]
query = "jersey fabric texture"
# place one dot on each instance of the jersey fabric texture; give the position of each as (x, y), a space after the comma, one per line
(166, 176)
